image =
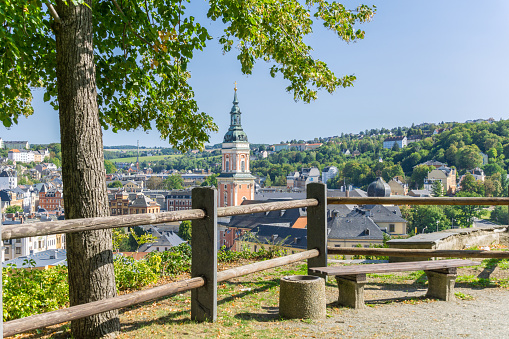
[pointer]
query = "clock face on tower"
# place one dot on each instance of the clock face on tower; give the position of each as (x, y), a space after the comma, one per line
(235, 183)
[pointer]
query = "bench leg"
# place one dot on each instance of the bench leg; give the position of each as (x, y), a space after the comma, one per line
(351, 290)
(441, 284)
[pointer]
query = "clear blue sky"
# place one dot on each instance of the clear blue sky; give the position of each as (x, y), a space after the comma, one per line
(421, 61)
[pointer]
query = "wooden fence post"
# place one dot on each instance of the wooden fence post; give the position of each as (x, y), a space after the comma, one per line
(204, 255)
(317, 224)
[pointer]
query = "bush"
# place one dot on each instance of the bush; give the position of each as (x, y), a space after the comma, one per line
(132, 274)
(31, 291)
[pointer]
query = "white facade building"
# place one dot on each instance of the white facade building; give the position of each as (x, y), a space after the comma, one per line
(8, 180)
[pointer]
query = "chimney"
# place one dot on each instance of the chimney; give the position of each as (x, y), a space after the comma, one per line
(347, 193)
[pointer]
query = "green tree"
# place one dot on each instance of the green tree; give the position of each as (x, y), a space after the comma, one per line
(465, 215)
(426, 218)
(115, 184)
(109, 166)
(268, 182)
(499, 215)
(174, 182)
(211, 180)
(154, 183)
(469, 157)
(437, 189)
(185, 230)
(13, 209)
(124, 65)
(419, 174)
(469, 184)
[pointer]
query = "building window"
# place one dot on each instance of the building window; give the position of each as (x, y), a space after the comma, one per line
(227, 167)
(240, 187)
(18, 250)
(337, 245)
(391, 228)
(7, 250)
(243, 166)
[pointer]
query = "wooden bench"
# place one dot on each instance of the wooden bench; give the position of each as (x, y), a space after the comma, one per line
(351, 279)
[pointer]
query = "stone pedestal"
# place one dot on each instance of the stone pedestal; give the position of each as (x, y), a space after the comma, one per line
(351, 290)
(302, 296)
(441, 284)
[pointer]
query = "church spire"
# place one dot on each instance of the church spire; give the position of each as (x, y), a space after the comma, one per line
(235, 132)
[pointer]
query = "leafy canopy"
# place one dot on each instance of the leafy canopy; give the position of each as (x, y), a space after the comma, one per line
(142, 50)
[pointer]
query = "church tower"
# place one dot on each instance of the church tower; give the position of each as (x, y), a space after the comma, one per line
(235, 183)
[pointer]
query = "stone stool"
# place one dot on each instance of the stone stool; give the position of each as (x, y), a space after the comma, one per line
(302, 296)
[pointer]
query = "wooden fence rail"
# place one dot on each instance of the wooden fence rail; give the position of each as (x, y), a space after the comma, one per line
(406, 200)
(426, 253)
(131, 220)
(80, 311)
(203, 282)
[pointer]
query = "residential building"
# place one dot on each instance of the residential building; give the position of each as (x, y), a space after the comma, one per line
(235, 183)
(434, 163)
(307, 175)
(414, 138)
(398, 187)
(446, 175)
(15, 144)
(387, 218)
(165, 240)
(477, 173)
(51, 199)
(178, 200)
(352, 231)
(143, 204)
(400, 140)
(20, 155)
(38, 260)
(119, 203)
(328, 173)
(8, 180)
(41, 155)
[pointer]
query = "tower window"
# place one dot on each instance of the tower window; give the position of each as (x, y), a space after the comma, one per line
(243, 166)
(227, 167)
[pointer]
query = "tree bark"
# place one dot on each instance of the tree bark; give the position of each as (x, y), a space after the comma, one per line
(89, 254)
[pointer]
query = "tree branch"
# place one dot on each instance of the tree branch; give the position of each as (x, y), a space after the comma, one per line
(53, 13)
(129, 23)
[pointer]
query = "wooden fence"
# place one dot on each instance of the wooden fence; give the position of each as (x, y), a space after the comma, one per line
(204, 275)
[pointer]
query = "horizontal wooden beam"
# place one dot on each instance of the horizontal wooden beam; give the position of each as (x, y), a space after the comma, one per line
(131, 220)
(265, 265)
(265, 207)
(80, 311)
(426, 253)
(406, 200)
(78, 225)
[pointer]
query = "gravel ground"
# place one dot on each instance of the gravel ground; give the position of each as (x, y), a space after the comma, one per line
(487, 316)
(395, 314)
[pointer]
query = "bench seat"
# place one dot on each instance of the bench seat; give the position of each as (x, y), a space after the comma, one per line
(351, 279)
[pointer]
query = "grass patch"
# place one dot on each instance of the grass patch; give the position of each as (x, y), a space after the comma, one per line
(463, 296)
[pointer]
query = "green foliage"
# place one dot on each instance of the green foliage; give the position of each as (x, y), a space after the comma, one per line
(464, 215)
(115, 184)
(499, 215)
(134, 274)
(185, 230)
(173, 182)
(109, 166)
(437, 189)
(419, 174)
(31, 291)
(425, 218)
(211, 180)
(13, 209)
(142, 50)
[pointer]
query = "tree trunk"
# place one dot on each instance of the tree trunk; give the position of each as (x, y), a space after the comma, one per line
(89, 254)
